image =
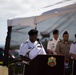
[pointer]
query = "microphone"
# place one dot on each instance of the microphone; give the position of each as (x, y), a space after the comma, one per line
(40, 45)
(38, 41)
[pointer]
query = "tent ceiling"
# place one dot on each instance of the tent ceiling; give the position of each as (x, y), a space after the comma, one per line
(65, 22)
(63, 19)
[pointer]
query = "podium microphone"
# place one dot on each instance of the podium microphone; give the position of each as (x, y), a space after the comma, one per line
(38, 41)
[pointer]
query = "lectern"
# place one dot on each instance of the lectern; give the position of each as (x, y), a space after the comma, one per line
(47, 65)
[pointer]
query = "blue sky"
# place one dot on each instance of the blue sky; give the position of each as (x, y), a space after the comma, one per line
(12, 8)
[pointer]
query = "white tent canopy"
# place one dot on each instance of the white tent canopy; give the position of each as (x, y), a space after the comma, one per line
(43, 14)
(61, 18)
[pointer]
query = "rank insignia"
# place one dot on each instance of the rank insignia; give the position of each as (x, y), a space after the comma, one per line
(51, 61)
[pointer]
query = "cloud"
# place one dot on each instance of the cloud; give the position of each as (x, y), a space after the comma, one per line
(12, 8)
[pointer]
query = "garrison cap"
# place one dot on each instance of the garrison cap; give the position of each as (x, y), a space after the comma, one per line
(33, 32)
(65, 33)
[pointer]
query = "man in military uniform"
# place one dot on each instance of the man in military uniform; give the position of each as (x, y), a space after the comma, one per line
(63, 48)
(53, 42)
(31, 49)
(73, 54)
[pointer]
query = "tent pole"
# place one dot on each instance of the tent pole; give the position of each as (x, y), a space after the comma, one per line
(35, 26)
(7, 45)
(35, 23)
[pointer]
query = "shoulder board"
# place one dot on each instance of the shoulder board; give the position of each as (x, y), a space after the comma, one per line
(60, 40)
(26, 42)
(51, 40)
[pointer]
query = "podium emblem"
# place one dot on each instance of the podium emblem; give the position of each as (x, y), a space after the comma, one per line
(51, 61)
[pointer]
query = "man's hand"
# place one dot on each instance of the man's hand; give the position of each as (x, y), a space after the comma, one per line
(50, 52)
(66, 60)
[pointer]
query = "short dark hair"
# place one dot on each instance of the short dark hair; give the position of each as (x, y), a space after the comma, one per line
(33, 32)
(55, 31)
(65, 33)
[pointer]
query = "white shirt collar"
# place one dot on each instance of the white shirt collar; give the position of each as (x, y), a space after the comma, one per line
(56, 40)
(32, 43)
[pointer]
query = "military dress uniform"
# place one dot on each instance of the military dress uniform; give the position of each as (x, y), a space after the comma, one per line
(52, 45)
(64, 48)
(31, 50)
(73, 50)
